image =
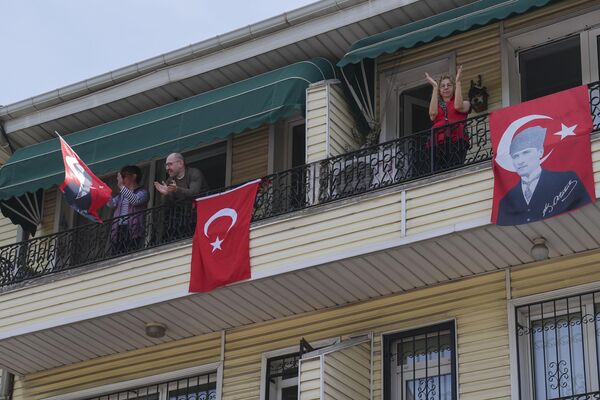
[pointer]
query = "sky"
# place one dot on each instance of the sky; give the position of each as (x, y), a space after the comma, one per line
(48, 44)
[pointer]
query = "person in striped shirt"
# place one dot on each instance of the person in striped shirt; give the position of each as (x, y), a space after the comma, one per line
(127, 231)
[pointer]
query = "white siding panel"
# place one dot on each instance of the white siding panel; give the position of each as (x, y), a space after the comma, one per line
(310, 379)
(316, 123)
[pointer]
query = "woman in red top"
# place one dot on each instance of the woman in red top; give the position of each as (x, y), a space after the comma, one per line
(450, 143)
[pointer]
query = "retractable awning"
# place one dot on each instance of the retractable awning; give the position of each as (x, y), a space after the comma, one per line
(439, 26)
(175, 127)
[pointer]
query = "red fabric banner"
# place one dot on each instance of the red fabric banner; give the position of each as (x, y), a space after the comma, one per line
(221, 244)
(83, 190)
(542, 157)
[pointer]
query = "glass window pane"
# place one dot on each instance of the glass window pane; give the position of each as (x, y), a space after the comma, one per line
(550, 68)
(421, 364)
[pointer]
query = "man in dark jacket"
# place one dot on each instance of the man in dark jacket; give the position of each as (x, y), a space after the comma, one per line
(540, 193)
(183, 185)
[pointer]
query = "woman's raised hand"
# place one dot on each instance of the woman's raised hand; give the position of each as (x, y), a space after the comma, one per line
(459, 73)
(431, 81)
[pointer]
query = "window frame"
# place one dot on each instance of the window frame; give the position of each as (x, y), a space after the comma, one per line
(392, 82)
(387, 338)
(580, 23)
(514, 303)
(216, 368)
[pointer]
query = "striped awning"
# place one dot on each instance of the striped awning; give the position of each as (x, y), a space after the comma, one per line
(457, 20)
(174, 127)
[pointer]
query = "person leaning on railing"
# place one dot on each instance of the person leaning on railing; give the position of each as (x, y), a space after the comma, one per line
(447, 145)
(127, 230)
(182, 186)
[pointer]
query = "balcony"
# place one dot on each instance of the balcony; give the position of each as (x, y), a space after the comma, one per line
(352, 174)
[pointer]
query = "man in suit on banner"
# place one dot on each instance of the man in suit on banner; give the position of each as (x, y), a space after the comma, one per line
(540, 193)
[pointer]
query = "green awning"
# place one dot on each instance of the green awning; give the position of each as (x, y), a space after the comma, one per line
(461, 19)
(174, 127)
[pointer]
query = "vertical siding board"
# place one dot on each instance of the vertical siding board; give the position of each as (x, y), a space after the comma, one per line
(316, 123)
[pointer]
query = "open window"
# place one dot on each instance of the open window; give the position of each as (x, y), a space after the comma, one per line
(340, 371)
(552, 58)
(405, 96)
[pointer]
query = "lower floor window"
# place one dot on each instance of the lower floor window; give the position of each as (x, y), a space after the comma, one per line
(557, 348)
(200, 387)
(420, 364)
(282, 377)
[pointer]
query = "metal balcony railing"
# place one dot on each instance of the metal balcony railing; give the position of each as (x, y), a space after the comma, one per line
(398, 161)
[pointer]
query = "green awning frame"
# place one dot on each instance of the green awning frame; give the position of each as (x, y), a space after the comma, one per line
(439, 26)
(175, 127)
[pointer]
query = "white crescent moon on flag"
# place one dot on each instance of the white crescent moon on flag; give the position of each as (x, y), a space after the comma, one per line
(224, 212)
(503, 158)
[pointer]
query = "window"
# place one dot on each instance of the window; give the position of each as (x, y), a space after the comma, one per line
(557, 348)
(211, 160)
(282, 377)
(200, 387)
(541, 74)
(553, 58)
(405, 96)
(420, 364)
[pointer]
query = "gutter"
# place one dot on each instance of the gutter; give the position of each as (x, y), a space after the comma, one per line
(211, 45)
(5, 141)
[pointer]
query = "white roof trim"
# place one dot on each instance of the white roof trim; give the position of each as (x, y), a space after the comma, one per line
(210, 54)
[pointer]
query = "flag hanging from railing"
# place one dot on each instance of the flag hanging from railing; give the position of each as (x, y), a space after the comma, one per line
(83, 190)
(542, 157)
(221, 244)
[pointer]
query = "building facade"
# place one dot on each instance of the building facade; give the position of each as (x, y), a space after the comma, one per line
(373, 276)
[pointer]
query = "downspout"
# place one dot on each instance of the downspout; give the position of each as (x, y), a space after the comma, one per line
(5, 138)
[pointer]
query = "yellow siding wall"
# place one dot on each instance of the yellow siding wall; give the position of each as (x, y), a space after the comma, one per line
(547, 14)
(122, 367)
(325, 232)
(316, 122)
(8, 231)
(250, 154)
(341, 123)
(554, 275)
(478, 51)
(478, 305)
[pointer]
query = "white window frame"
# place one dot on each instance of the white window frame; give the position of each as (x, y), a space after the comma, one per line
(393, 82)
(146, 381)
(414, 328)
(511, 44)
(282, 352)
(512, 304)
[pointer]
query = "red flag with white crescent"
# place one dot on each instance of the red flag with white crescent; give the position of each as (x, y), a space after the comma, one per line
(83, 190)
(221, 243)
(542, 157)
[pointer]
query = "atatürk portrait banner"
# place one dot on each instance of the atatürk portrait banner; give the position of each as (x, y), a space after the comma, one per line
(542, 157)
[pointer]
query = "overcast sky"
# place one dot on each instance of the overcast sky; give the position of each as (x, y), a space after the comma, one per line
(47, 44)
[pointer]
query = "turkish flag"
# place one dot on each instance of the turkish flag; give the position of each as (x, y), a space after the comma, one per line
(221, 244)
(542, 157)
(83, 190)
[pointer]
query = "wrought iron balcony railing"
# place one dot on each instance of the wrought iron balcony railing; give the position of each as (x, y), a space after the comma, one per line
(398, 161)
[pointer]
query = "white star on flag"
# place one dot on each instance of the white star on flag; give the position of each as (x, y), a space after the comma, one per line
(566, 131)
(216, 244)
